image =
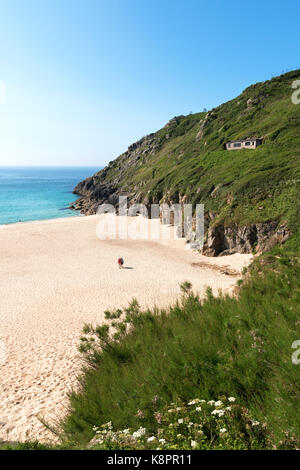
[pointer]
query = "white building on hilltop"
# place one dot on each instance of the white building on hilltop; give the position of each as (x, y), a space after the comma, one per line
(243, 144)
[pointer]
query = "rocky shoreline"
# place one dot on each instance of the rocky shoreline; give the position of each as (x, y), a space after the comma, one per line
(220, 240)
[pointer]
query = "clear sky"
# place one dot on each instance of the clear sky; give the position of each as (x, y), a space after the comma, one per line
(86, 78)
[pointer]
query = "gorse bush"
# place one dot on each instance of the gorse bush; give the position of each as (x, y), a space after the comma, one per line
(215, 347)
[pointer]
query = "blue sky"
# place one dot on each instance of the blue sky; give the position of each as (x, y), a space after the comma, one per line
(86, 78)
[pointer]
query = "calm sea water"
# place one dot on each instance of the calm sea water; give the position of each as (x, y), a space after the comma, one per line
(38, 193)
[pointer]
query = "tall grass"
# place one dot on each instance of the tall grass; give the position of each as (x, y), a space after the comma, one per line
(220, 346)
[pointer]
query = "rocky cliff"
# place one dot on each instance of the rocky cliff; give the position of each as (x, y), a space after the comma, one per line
(251, 197)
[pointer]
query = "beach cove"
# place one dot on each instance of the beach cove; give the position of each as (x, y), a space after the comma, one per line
(56, 275)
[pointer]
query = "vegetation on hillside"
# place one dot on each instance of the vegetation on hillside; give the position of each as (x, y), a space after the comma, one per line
(187, 160)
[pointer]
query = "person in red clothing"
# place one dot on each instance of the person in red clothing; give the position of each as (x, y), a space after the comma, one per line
(120, 263)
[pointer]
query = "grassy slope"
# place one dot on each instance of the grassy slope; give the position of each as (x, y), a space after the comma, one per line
(252, 186)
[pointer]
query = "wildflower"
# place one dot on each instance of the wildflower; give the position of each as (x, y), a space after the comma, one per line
(198, 408)
(162, 441)
(126, 431)
(158, 417)
(218, 412)
(155, 399)
(231, 399)
(171, 410)
(193, 444)
(218, 403)
(223, 430)
(179, 436)
(190, 425)
(180, 421)
(228, 408)
(140, 414)
(139, 433)
(255, 423)
(193, 402)
(178, 409)
(200, 432)
(151, 439)
(211, 402)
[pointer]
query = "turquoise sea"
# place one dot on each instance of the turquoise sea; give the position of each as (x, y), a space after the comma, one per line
(31, 193)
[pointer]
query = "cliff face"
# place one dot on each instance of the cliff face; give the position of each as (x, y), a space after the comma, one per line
(251, 197)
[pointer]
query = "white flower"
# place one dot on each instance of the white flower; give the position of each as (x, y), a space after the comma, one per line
(198, 408)
(180, 421)
(201, 401)
(255, 423)
(231, 399)
(162, 441)
(150, 439)
(190, 425)
(178, 409)
(139, 433)
(218, 403)
(193, 402)
(211, 402)
(218, 412)
(223, 430)
(126, 431)
(171, 411)
(193, 444)
(228, 408)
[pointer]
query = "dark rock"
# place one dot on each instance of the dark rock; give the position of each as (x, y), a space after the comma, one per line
(261, 237)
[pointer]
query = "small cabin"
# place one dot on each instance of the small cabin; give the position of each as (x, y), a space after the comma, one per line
(243, 144)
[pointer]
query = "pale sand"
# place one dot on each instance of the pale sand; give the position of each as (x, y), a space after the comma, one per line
(57, 275)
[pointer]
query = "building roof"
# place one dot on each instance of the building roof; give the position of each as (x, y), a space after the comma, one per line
(243, 140)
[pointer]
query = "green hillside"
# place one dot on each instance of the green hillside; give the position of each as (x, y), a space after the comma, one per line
(187, 161)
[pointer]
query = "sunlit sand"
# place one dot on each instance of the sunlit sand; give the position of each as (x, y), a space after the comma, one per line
(57, 275)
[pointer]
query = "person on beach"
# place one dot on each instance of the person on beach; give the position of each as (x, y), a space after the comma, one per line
(120, 263)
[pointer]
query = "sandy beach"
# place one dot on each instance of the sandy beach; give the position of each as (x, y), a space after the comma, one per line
(57, 275)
